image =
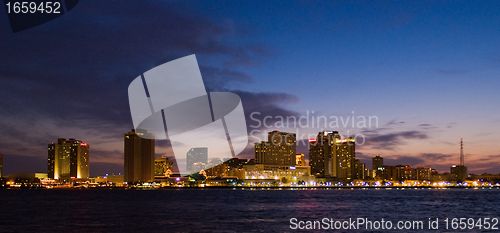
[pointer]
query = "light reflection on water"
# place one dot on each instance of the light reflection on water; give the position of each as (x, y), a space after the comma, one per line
(229, 210)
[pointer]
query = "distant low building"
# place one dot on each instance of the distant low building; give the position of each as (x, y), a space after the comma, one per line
(300, 160)
(405, 172)
(424, 173)
(231, 168)
(286, 174)
(487, 177)
(360, 170)
(115, 179)
(163, 167)
(458, 173)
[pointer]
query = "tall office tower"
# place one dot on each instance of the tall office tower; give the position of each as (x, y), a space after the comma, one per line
(196, 159)
(300, 160)
(322, 153)
(331, 156)
(1, 165)
(378, 162)
(68, 159)
(279, 149)
(162, 166)
(139, 156)
(459, 173)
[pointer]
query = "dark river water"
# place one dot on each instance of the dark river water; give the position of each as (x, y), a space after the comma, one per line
(244, 210)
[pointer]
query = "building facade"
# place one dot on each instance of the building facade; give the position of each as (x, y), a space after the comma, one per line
(300, 160)
(280, 149)
(458, 173)
(163, 166)
(424, 173)
(196, 159)
(139, 155)
(360, 171)
(231, 167)
(405, 172)
(284, 174)
(378, 166)
(68, 159)
(377, 162)
(331, 156)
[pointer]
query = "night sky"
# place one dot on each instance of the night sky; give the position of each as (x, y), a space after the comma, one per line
(429, 70)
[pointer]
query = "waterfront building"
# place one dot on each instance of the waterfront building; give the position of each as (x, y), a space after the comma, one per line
(424, 173)
(300, 160)
(377, 166)
(279, 149)
(377, 162)
(163, 166)
(231, 168)
(458, 173)
(405, 172)
(388, 173)
(196, 159)
(68, 159)
(110, 179)
(287, 175)
(360, 172)
(331, 156)
(139, 154)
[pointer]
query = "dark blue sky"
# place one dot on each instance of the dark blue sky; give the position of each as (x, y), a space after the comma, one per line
(429, 71)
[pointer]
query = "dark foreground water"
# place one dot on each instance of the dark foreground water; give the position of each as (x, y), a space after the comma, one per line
(234, 210)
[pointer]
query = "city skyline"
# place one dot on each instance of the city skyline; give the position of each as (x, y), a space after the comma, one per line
(275, 164)
(427, 70)
(288, 137)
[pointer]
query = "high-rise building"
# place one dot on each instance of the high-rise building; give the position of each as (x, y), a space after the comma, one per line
(68, 159)
(162, 166)
(1, 165)
(139, 156)
(377, 162)
(300, 160)
(196, 159)
(279, 149)
(331, 156)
